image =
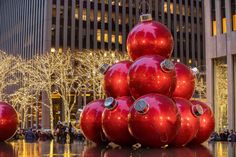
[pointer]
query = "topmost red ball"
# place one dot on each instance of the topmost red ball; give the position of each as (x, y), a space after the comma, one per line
(149, 37)
(8, 121)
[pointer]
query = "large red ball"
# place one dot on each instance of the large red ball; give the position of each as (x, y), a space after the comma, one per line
(8, 121)
(115, 120)
(151, 74)
(207, 123)
(154, 120)
(115, 80)
(185, 81)
(149, 37)
(91, 122)
(189, 122)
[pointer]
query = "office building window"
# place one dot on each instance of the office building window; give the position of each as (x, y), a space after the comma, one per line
(213, 17)
(233, 12)
(223, 17)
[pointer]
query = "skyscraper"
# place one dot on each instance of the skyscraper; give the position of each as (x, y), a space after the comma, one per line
(220, 34)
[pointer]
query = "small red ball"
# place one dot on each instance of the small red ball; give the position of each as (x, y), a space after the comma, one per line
(185, 81)
(189, 122)
(91, 122)
(151, 74)
(115, 120)
(115, 80)
(154, 120)
(207, 123)
(8, 121)
(149, 38)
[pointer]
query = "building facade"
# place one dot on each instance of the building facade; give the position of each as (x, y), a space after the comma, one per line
(34, 27)
(220, 35)
(39, 26)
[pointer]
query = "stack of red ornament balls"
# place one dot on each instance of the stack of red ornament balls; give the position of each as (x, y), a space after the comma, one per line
(148, 99)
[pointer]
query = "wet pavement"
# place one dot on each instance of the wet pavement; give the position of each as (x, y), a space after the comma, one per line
(51, 148)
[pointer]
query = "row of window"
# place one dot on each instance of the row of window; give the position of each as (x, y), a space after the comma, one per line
(223, 16)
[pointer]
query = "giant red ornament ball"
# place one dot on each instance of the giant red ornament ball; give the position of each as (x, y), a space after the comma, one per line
(189, 121)
(151, 74)
(154, 120)
(149, 37)
(185, 81)
(91, 122)
(115, 79)
(115, 120)
(207, 123)
(8, 121)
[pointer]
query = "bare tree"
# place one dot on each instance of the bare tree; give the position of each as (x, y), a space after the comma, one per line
(8, 72)
(40, 72)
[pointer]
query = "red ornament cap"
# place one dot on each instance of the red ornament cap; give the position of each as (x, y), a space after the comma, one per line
(145, 17)
(167, 65)
(141, 106)
(110, 103)
(103, 69)
(197, 110)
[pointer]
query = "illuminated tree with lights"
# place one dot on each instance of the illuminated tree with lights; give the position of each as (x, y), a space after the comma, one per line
(8, 72)
(221, 92)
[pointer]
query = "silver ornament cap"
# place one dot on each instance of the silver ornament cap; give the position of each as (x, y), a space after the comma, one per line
(103, 69)
(145, 17)
(110, 103)
(141, 106)
(197, 110)
(167, 65)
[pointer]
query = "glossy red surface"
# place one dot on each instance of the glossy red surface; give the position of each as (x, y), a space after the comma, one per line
(115, 122)
(149, 37)
(185, 81)
(146, 76)
(167, 152)
(92, 152)
(207, 123)
(6, 150)
(202, 151)
(8, 121)
(189, 123)
(159, 125)
(91, 122)
(118, 153)
(115, 80)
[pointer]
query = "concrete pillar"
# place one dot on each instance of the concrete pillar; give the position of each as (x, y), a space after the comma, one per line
(45, 112)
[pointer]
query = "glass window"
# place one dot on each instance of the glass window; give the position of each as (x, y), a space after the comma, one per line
(223, 17)
(213, 17)
(220, 93)
(233, 12)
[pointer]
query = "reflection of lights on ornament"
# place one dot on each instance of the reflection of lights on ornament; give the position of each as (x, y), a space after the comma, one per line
(116, 61)
(178, 60)
(105, 54)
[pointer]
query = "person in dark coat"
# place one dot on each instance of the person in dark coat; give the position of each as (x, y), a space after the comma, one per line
(30, 136)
